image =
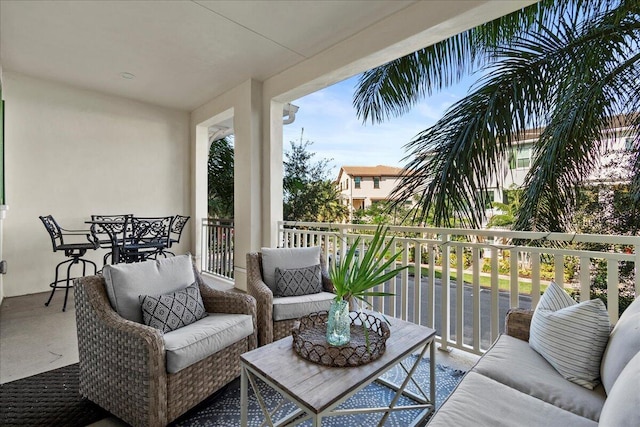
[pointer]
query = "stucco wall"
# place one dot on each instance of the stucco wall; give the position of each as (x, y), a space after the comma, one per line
(72, 153)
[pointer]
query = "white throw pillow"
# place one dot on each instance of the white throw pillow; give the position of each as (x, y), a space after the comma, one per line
(570, 336)
(286, 259)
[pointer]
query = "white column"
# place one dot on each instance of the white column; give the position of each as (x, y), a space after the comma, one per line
(272, 172)
(248, 215)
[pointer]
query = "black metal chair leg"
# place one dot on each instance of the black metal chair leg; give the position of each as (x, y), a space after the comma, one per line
(54, 284)
(66, 290)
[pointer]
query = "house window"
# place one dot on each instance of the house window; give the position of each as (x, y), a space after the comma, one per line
(628, 144)
(356, 181)
(521, 157)
(489, 198)
(376, 182)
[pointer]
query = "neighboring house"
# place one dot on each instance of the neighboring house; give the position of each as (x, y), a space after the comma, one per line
(361, 186)
(617, 151)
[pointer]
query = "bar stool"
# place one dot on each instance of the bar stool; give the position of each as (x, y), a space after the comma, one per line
(75, 251)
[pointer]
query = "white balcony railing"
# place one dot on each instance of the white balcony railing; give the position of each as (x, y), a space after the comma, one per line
(471, 316)
(217, 247)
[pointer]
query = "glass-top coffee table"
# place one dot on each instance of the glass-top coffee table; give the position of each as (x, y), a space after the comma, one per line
(318, 390)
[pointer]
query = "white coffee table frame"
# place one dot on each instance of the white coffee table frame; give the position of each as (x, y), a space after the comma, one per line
(318, 390)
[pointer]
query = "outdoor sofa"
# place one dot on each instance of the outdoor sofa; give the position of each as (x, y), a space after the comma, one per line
(513, 385)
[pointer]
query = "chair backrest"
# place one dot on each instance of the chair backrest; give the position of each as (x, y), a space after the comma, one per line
(116, 226)
(54, 231)
(148, 229)
(177, 227)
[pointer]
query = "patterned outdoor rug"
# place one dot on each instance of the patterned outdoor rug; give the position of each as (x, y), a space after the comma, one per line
(52, 399)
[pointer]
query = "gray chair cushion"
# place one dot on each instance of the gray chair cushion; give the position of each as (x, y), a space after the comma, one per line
(298, 281)
(286, 258)
(126, 282)
(481, 401)
(624, 343)
(623, 403)
(285, 308)
(194, 342)
(512, 362)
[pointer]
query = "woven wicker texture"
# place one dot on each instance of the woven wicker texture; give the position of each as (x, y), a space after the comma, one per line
(309, 340)
(268, 329)
(122, 363)
(517, 323)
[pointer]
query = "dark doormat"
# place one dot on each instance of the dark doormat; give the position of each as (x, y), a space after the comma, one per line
(47, 399)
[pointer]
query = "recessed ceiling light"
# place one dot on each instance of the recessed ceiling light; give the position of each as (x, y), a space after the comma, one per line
(127, 75)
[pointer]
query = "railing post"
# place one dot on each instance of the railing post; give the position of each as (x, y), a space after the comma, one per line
(445, 307)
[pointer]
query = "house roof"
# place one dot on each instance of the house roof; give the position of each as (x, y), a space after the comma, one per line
(379, 170)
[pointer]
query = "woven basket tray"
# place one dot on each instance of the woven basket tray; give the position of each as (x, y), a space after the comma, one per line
(310, 342)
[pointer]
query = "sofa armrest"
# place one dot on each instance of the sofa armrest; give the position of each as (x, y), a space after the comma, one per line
(517, 323)
(118, 354)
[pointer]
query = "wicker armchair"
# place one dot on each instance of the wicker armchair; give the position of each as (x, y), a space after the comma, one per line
(517, 323)
(268, 329)
(122, 363)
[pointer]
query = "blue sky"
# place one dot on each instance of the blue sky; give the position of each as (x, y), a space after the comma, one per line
(330, 122)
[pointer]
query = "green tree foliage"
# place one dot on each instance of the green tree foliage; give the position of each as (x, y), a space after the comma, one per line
(567, 66)
(508, 211)
(220, 178)
(309, 193)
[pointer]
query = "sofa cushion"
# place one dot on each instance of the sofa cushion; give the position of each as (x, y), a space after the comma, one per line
(621, 407)
(194, 342)
(514, 363)
(285, 308)
(298, 281)
(286, 258)
(482, 401)
(570, 336)
(624, 343)
(126, 282)
(169, 312)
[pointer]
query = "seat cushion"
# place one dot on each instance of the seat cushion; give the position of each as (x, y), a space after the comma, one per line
(482, 401)
(169, 312)
(194, 342)
(624, 343)
(126, 282)
(621, 408)
(286, 258)
(298, 281)
(570, 336)
(285, 308)
(514, 363)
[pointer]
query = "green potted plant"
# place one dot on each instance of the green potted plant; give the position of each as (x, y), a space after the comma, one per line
(353, 278)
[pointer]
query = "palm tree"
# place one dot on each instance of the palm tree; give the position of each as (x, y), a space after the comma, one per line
(565, 67)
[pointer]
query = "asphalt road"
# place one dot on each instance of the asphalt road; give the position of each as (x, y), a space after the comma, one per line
(485, 308)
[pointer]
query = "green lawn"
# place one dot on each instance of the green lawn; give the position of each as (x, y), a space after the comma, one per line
(485, 281)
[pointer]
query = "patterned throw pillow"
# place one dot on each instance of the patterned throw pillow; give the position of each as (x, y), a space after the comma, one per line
(298, 281)
(172, 311)
(570, 336)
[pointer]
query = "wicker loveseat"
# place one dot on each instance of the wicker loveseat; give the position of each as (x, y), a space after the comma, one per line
(270, 326)
(513, 385)
(123, 364)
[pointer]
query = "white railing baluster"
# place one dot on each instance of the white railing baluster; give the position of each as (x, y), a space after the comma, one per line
(405, 280)
(431, 287)
(495, 294)
(514, 289)
(612, 289)
(585, 279)
(476, 299)
(445, 307)
(535, 279)
(417, 283)
(459, 294)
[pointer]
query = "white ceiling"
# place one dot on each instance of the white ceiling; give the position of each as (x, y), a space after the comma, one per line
(182, 53)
